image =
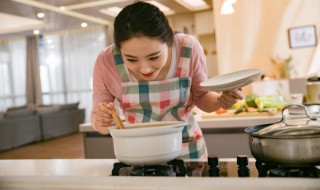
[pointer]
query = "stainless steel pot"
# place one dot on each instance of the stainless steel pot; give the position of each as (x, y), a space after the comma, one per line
(148, 145)
(290, 142)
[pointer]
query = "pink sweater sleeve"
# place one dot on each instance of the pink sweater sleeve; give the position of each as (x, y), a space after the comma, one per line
(106, 81)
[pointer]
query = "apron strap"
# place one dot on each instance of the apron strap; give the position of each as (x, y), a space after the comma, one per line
(185, 56)
(120, 64)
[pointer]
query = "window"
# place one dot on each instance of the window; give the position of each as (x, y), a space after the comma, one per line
(66, 65)
(12, 73)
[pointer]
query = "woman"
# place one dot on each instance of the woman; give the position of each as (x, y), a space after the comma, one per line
(155, 75)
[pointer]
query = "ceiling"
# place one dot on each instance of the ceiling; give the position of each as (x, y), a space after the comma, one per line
(19, 17)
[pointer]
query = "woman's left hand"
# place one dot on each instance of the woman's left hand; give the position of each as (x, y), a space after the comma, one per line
(228, 98)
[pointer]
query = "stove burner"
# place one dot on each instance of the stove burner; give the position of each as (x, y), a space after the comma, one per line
(273, 170)
(173, 168)
(153, 170)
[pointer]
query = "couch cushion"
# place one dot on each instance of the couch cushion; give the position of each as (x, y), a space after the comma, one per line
(48, 109)
(19, 113)
(17, 108)
(71, 106)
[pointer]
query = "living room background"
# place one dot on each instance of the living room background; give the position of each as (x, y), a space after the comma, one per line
(66, 61)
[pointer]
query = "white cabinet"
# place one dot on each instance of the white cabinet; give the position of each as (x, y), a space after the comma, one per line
(204, 23)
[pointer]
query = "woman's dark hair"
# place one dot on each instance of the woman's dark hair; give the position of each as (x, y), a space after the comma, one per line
(141, 19)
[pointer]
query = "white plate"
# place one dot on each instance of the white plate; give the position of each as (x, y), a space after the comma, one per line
(231, 81)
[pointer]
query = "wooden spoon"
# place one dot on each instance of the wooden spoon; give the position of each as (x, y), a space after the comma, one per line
(117, 118)
(148, 126)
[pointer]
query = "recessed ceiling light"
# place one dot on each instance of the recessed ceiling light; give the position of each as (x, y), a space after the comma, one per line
(36, 32)
(40, 15)
(62, 8)
(84, 24)
(166, 10)
(111, 11)
(194, 5)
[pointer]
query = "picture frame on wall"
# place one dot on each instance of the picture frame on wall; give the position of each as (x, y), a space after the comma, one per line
(303, 36)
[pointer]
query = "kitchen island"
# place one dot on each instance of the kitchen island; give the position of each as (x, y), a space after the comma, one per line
(225, 136)
(95, 174)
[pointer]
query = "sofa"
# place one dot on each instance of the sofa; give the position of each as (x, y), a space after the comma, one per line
(19, 127)
(60, 120)
(28, 124)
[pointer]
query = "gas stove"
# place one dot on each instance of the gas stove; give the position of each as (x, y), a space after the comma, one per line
(217, 167)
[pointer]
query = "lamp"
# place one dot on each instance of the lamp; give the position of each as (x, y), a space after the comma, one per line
(227, 8)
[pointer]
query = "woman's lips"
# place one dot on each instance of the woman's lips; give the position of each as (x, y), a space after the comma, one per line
(148, 75)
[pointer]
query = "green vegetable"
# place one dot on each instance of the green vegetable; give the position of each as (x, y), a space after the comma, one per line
(269, 102)
(250, 100)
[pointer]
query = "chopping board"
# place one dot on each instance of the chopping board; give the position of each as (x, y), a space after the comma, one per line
(231, 113)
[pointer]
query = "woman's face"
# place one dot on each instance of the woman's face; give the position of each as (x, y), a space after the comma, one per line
(144, 57)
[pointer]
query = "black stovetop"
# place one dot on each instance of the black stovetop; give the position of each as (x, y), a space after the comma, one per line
(242, 166)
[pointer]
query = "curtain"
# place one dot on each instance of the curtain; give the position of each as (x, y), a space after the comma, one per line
(33, 86)
(66, 63)
(12, 72)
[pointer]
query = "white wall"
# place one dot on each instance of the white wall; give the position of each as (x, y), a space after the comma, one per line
(258, 30)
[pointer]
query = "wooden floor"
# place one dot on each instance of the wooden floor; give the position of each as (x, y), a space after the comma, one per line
(68, 147)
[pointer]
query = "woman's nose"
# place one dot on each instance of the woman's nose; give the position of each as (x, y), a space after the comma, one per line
(145, 68)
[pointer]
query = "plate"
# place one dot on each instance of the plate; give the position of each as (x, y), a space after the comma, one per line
(231, 81)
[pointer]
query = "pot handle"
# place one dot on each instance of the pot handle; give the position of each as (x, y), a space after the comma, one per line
(286, 114)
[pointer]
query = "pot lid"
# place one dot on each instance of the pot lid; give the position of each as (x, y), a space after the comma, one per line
(291, 128)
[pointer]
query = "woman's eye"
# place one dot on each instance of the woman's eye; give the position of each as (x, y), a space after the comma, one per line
(132, 60)
(153, 58)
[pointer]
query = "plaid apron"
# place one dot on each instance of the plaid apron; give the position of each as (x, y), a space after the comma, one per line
(164, 100)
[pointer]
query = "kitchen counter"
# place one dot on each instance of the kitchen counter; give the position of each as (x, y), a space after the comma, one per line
(218, 123)
(95, 174)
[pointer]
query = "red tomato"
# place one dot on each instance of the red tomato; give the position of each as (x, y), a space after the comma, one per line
(221, 110)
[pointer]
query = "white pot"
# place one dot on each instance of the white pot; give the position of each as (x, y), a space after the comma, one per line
(150, 145)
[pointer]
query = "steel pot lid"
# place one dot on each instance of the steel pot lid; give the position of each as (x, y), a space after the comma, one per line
(305, 127)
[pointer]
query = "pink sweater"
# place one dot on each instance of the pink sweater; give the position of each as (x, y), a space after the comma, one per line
(107, 82)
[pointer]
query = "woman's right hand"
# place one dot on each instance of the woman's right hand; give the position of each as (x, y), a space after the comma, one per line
(104, 117)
